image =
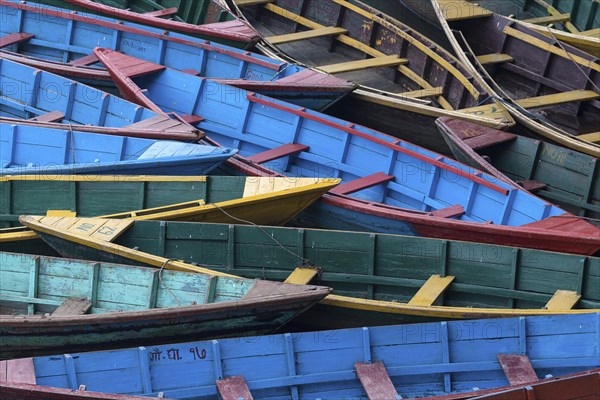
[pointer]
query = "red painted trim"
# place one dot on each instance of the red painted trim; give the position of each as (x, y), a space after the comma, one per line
(251, 97)
(116, 26)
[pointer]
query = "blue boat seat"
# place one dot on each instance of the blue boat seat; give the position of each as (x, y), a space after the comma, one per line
(234, 388)
(278, 152)
(13, 38)
(517, 368)
(375, 381)
(362, 183)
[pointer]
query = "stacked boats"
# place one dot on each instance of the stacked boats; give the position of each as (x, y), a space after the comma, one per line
(149, 160)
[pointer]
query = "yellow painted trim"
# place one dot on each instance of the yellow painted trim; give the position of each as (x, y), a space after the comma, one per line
(302, 276)
(103, 178)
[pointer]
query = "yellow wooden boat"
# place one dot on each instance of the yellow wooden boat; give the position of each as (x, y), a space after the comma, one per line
(229, 199)
(344, 257)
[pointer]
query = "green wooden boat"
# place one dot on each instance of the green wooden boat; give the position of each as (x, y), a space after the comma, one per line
(207, 19)
(230, 199)
(52, 305)
(564, 177)
(377, 279)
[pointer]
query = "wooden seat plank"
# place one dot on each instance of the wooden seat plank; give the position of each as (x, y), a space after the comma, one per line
(591, 137)
(375, 381)
(494, 58)
(517, 368)
(20, 370)
(278, 152)
(191, 118)
(302, 275)
(532, 186)
(234, 388)
(73, 306)
(549, 19)
(429, 92)
(456, 10)
(16, 37)
(448, 212)
(306, 35)
(375, 62)
(53, 116)
(558, 98)
(362, 183)
(60, 213)
(563, 300)
(247, 3)
(433, 288)
(85, 60)
(165, 12)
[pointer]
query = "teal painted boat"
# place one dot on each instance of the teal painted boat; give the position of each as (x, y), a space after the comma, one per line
(94, 305)
(377, 279)
(565, 177)
(207, 19)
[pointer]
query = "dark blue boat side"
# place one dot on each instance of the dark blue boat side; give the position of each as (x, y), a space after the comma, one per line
(58, 41)
(421, 360)
(34, 150)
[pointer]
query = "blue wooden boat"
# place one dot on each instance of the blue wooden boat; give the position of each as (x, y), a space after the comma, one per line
(33, 150)
(57, 305)
(33, 97)
(35, 44)
(388, 185)
(450, 359)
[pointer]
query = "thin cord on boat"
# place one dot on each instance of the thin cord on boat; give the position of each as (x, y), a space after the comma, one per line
(305, 261)
(573, 60)
(168, 260)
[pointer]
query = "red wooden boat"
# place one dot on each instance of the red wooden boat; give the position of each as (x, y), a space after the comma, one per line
(341, 209)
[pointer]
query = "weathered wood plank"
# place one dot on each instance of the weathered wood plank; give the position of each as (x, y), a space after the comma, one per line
(591, 137)
(563, 300)
(494, 58)
(84, 61)
(306, 35)
(61, 213)
(53, 116)
(302, 275)
(73, 306)
(558, 98)
(375, 62)
(448, 212)
(234, 388)
(362, 183)
(517, 368)
(165, 12)
(246, 3)
(549, 19)
(375, 381)
(278, 152)
(13, 38)
(433, 288)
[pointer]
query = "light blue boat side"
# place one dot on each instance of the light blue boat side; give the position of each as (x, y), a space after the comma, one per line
(63, 42)
(34, 150)
(421, 360)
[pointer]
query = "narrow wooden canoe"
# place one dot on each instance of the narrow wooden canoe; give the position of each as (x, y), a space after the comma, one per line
(404, 76)
(407, 361)
(565, 177)
(39, 97)
(218, 24)
(100, 306)
(582, 387)
(377, 279)
(27, 149)
(41, 48)
(264, 200)
(550, 87)
(389, 186)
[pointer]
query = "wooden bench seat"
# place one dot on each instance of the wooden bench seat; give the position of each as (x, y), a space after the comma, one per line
(549, 19)
(517, 368)
(591, 137)
(85, 60)
(234, 388)
(563, 300)
(278, 152)
(247, 3)
(305, 35)
(532, 186)
(53, 116)
(449, 212)
(375, 381)
(421, 93)
(494, 58)
(166, 12)
(13, 38)
(375, 62)
(558, 98)
(302, 275)
(362, 183)
(73, 306)
(431, 291)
